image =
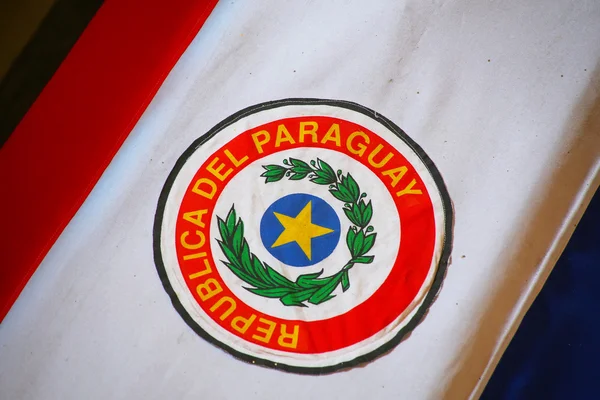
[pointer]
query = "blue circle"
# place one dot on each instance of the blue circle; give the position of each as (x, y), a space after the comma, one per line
(290, 207)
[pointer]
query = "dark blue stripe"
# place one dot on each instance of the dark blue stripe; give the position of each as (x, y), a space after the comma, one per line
(555, 354)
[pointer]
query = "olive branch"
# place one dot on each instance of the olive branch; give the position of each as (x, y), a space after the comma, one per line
(267, 282)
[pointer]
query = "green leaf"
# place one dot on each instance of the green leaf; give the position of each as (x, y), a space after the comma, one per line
(278, 278)
(244, 276)
(273, 173)
(329, 172)
(312, 275)
(298, 176)
(366, 214)
(300, 164)
(310, 280)
(323, 293)
(350, 237)
(238, 237)
(363, 260)
(230, 221)
(272, 167)
(271, 292)
(301, 169)
(345, 281)
(341, 194)
(351, 214)
(296, 299)
(321, 179)
(343, 179)
(353, 188)
(222, 228)
(358, 244)
(245, 259)
(367, 244)
(357, 215)
(259, 270)
(229, 254)
(347, 195)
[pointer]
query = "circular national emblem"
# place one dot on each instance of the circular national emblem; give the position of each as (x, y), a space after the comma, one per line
(306, 235)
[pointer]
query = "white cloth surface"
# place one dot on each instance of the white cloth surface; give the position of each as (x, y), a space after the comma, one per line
(502, 95)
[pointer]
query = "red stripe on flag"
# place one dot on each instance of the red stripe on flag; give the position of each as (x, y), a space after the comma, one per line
(68, 137)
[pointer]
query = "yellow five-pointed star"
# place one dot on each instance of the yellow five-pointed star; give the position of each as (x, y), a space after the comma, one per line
(300, 229)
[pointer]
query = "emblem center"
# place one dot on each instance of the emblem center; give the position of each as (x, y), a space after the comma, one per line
(300, 229)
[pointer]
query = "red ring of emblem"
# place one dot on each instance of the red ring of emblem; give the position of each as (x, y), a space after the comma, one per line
(389, 301)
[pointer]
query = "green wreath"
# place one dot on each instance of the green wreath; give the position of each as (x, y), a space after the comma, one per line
(267, 282)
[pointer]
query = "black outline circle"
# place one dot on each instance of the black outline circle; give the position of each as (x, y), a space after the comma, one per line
(431, 294)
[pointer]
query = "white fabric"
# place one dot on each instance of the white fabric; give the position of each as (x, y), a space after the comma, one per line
(502, 95)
